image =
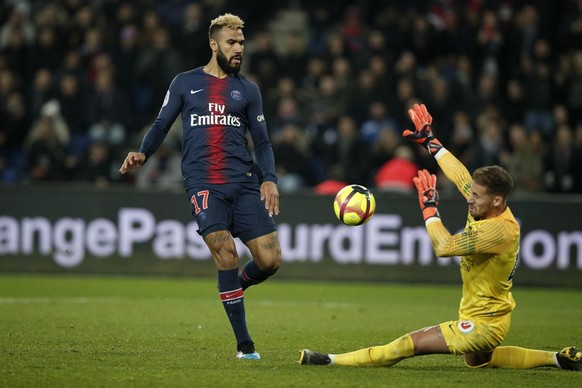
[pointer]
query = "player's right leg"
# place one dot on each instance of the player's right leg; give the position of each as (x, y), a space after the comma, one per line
(213, 214)
(223, 251)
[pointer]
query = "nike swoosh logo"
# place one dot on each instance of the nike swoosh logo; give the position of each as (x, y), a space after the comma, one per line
(195, 91)
(230, 295)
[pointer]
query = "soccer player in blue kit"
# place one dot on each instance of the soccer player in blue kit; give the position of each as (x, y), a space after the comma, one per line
(218, 106)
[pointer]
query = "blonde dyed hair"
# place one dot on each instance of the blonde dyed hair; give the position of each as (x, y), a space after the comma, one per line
(227, 20)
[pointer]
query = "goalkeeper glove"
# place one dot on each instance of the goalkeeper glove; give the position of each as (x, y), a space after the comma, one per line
(423, 134)
(428, 196)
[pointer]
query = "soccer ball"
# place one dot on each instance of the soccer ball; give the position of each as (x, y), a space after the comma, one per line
(354, 205)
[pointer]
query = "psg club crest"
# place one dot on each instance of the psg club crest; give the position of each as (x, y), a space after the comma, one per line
(236, 95)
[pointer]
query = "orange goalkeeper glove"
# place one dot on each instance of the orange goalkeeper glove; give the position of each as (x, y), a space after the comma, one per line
(423, 134)
(428, 196)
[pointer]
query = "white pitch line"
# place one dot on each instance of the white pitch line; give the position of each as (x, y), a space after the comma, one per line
(89, 300)
(65, 300)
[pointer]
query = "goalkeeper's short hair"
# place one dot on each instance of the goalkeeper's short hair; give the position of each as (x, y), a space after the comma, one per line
(495, 178)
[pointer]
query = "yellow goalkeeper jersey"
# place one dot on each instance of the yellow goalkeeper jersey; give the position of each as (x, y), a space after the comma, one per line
(488, 250)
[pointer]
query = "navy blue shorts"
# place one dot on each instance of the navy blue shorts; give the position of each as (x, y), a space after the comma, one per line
(236, 207)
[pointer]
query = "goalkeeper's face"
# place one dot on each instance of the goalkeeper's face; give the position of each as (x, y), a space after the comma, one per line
(482, 204)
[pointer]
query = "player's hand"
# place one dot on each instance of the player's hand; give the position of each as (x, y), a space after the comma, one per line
(423, 132)
(132, 161)
(270, 195)
(428, 196)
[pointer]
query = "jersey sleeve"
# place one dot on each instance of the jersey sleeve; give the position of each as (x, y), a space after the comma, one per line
(258, 129)
(170, 109)
(455, 171)
(489, 237)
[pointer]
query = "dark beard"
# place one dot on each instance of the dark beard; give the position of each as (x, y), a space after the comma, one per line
(224, 65)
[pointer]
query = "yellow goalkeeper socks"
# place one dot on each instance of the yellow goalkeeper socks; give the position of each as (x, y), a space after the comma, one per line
(385, 355)
(521, 358)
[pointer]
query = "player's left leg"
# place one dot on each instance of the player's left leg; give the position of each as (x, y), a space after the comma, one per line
(252, 223)
(266, 253)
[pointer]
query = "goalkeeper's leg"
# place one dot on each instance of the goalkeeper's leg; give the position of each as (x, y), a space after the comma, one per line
(385, 355)
(521, 358)
(424, 341)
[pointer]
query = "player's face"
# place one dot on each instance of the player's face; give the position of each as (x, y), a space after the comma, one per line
(482, 204)
(230, 47)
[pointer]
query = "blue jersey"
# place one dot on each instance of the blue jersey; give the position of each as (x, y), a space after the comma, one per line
(216, 113)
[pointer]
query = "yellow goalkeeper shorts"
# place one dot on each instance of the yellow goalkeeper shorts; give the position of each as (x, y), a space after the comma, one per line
(473, 335)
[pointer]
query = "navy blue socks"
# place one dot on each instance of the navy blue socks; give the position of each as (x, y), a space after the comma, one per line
(250, 275)
(232, 296)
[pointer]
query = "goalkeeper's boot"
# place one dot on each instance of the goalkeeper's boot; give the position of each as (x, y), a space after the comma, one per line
(246, 351)
(309, 357)
(570, 358)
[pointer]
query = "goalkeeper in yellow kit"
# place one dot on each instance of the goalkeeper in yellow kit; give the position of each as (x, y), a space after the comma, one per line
(488, 247)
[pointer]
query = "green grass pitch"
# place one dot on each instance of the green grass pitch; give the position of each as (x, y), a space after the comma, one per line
(86, 331)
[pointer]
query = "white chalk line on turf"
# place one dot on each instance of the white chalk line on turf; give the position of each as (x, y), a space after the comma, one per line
(59, 300)
(95, 300)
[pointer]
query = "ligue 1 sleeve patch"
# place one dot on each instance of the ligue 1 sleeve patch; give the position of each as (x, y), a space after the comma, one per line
(166, 99)
(466, 326)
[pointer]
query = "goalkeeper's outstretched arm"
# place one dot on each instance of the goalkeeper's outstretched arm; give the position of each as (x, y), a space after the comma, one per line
(423, 135)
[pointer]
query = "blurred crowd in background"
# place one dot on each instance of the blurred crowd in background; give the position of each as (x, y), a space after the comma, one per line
(80, 82)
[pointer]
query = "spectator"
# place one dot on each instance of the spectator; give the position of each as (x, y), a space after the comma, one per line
(333, 184)
(288, 112)
(292, 166)
(462, 136)
(489, 149)
(72, 103)
(573, 86)
(18, 20)
(17, 52)
(163, 170)
(47, 51)
(41, 91)
(286, 89)
(365, 92)
(514, 103)
(348, 152)
(124, 58)
(526, 160)
(106, 103)
(577, 160)
(46, 150)
(96, 166)
(559, 164)
(539, 90)
(326, 99)
(396, 174)
(157, 64)
(382, 150)
(264, 63)
(376, 121)
(295, 58)
(191, 38)
(15, 121)
(341, 71)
